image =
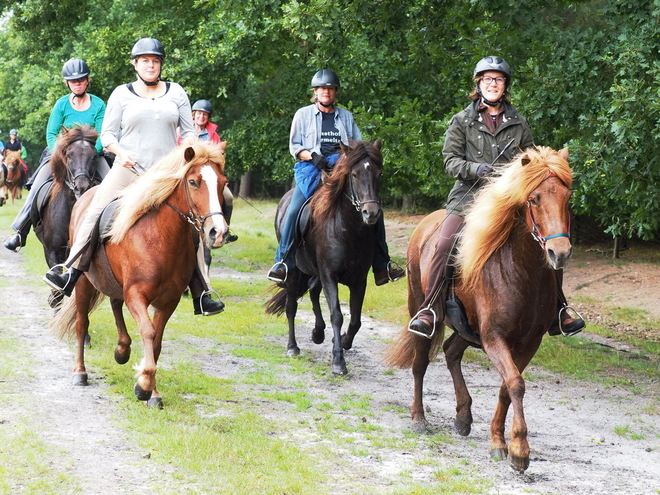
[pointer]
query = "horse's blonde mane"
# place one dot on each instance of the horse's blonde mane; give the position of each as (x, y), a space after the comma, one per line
(152, 188)
(492, 215)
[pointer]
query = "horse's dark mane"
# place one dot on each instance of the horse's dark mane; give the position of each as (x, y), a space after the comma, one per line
(64, 139)
(325, 202)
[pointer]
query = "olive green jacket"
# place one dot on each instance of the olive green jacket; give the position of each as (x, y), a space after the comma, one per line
(469, 143)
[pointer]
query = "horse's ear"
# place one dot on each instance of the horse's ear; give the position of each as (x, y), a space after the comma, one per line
(63, 130)
(223, 146)
(378, 143)
(564, 153)
(189, 154)
(525, 159)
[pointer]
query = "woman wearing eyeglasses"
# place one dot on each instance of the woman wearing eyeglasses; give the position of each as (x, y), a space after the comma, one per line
(476, 139)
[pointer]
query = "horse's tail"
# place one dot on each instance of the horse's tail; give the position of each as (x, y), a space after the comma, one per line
(401, 353)
(63, 323)
(276, 305)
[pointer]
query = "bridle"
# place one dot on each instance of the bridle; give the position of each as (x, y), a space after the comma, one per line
(536, 232)
(71, 178)
(193, 217)
(355, 199)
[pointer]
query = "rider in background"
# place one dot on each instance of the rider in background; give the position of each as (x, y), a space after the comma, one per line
(207, 131)
(14, 144)
(316, 132)
(77, 108)
(474, 142)
(140, 127)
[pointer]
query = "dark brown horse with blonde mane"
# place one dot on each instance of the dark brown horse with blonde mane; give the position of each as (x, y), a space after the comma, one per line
(337, 248)
(151, 255)
(16, 176)
(516, 235)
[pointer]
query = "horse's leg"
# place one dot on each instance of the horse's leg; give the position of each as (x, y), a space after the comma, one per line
(123, 349)
(356, 301)
(454, 348)
(146, 371)
(318, 334)
(512, 392)
(419, 366)
(161, 317)
(331, 292)
(84, 293)
(292, 348)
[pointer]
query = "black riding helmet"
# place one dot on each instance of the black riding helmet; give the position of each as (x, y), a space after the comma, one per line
(203, 106)
(75, 68)
(497, 64)
(325, 77)
(148, 46)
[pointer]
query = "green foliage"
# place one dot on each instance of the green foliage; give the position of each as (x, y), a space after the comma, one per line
(585, 75)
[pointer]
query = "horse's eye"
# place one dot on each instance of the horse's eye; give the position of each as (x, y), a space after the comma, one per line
(533, 202)
(193, 183)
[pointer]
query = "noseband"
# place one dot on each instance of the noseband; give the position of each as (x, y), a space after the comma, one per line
(355, 199)
(71, 179)
(536, 233)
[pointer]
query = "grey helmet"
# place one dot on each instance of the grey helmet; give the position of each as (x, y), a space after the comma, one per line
(493, 63)
(203, 106)
(325, 77)
(75, 68)
(14, 132)
(148, 46)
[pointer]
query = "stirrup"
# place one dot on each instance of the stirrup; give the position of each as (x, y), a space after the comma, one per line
(394, 265)
(435, 320)
(275, 266)
(566, 308)
(20, 241)
(63, 270)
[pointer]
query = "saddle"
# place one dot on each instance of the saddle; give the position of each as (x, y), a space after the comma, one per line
(41, 199)
(454, 309)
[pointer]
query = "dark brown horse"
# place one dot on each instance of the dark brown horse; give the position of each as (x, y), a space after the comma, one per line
(73, 165)
(150, 257)
(16, 176)
(338, 248)
(507, 284)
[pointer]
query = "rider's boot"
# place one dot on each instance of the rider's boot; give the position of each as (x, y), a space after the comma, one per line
(228, 210)
(570, 324)
(16, 241)
(62, 281)
(207, 306)
(393, 273)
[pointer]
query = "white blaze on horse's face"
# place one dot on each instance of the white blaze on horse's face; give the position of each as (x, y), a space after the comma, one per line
(215, 226)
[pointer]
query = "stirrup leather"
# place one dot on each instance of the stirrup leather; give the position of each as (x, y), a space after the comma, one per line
(433, 325)
(566, 308)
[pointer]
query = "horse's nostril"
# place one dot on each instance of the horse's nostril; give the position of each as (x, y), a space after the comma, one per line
(213, 234)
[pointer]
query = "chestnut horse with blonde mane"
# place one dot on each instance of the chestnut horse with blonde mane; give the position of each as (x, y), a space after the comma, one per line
(516, 235)
(16, 176)
(151, 255)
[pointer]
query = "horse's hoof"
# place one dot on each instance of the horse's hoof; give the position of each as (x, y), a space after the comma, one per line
(88, 341)
(122, 358)
(318, 336)
(155, 402)
(80, 379)
(519, 464)
(339, 369)
(463, 429)
(141, 394)
(293, 352)
(500, 454)
(421, 426)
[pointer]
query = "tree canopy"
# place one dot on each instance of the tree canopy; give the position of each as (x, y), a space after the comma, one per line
(585, 76)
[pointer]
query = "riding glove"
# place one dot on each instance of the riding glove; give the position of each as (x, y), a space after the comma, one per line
(484, 169)
(319, 161)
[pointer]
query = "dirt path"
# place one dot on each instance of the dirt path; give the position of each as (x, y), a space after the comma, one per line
(572, 425)
(76, 422)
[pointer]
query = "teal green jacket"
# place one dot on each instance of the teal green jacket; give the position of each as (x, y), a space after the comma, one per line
(63, 114)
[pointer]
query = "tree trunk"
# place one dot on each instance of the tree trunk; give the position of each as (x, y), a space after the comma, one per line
(245, 189)
(617, 247)
(407, 203)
